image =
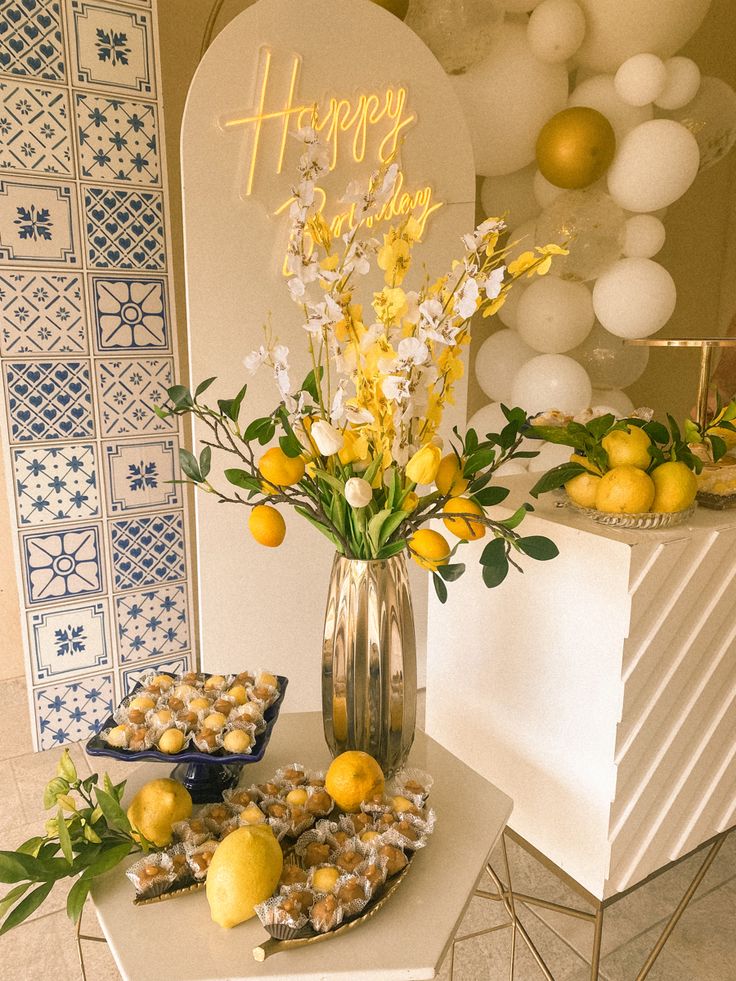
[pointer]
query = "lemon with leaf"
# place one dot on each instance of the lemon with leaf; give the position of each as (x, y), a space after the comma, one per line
(627, 447)
(157, 806)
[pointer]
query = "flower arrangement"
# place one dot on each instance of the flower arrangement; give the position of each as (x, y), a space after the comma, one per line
(358, 453)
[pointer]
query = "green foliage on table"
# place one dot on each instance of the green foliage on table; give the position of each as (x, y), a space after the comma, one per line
(89, 835)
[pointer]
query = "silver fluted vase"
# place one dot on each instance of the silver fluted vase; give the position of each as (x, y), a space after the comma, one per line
(369, 664)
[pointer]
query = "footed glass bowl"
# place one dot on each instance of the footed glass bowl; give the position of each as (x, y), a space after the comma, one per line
(650, 520)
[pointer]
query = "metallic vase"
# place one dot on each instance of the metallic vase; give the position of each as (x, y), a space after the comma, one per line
(369, 665)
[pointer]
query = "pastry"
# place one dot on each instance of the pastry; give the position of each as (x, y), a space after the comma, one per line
(188, 719)
(265, 678)
(316, 853)
(293, 774)
(350, 891)
(199, 704)
(277, 810)
(241, 798)
(319, 802)
(172, 741)
(406, 830)
(349, 860)
(252, 815)
(325, 914)
(118, 737)
(325, 878)
(237, 741)
(224, 706)
(143, 703)
(163, 717)
(368, 836)
(163, 681)
(402, 805)
(292, 875)
(136, 716)
(175, 704)
(395, 858)
(375, 876)
(151, 877)
(214, 681)
(238, 694)
(137, 740)
(215, 721)
(206, 740)
(297, 797)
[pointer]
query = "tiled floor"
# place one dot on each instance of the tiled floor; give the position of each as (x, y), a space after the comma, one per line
(702, 948)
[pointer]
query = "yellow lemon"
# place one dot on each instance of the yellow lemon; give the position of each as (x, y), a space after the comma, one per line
(627, 447)
(449, 478)
(352, 778)
(463, 527)
(728, 437)
(585, 462)
(280, 469)
(244, 871)
(157, 806)
(625, 490)
(428, 548)
(583, 489)
(267, 525)
(675, 486)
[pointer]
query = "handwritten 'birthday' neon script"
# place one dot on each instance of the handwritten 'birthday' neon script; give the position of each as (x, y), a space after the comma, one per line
(346, 126)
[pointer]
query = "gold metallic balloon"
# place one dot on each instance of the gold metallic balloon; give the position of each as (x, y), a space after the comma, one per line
(575, 147)
(398, 7)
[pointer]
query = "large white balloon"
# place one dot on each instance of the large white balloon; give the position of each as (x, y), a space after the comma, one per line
(556, 30)
(510, 468)
(644, 236)
(599, 92)
(590, 225)
(507, 313)
(711, 118)
(654, 165)
(552, 381)
(612, 400)
(498, 359)
(544, 191)
(507, 98)
(550, 455)
(489, 419)
(634, 297)
(512, 193)
(609, 361)
(617, 29)
(554, 315)
(641, 79)
(521, 239)
(520, 6)
(683, 82)
(459, 33)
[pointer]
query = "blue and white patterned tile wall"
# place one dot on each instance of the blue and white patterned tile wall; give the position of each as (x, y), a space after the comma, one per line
(87, 348)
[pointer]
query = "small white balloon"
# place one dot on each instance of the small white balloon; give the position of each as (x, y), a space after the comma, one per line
(545, 192)
(641, 79)
(654, 166)
(644, 236)
(507, 313)
(609, 361)
(599, 92)
(556, 30)
(683, 82)
(551, 381)
(510, 468)
(512, 194)
(612, 400)
(521, 239)
(459, 33)
(550, 455)
(555, 315)
(711, 118)
(590, 225)
(634, 297)
(498, 359)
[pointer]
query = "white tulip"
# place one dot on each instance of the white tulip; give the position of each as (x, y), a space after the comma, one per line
(327, 439)
(358, 492)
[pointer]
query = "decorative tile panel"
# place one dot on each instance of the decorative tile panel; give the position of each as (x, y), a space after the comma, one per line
(41, 313)
(132, 676)
(62, 564)
(124, 228)
(112, 47)
(152, 624)
(48, 400)
(148, 550)
(139, 475)
(69, 641)
(55, 483)
(117, 139)
(128, 391)
(31, 40)
(34, 129)
(38, 223)
(129, 313)
(72, 711)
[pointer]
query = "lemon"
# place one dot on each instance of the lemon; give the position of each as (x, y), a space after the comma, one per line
(582, 489)
(428, 548)
(625, 490)
(675, 486)
(280, 469)
(352, 778)
(157, 806)
(244, 871)
(727, 435)
(627, 447)
(463, 527)
(267, 525)
(449, 478)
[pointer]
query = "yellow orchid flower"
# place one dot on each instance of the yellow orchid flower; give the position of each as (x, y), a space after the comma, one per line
(522, 263)
(390, 304)
(394, 258)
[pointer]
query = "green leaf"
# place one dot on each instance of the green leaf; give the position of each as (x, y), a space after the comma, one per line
(492, 495)
(494, 575)
(10, 898)
(161, 412)
(517, 517)
(242, 479)
(599, 426)
(188, 463)
(31, 847)
(556, 477)
(392, 522)
(330, 479)
(52, 790)
(557, 434)
(450, 573)
(372, 469)
(494, 552)
(516, 415)
(66, 769)
(64, 839)
(657, 432)
(538, 547)
(108, 859)
(203, 386)
(24, 909)
(16, 867)
(205, 461)
(719, 447)
(329, 535)
(674, 428)
(471, 441)
(180, 396)
(231, 407)
(77, 898)
(374, 527)
(478, 461)
(259, 428)
(388, 551)
(439, 588)
(291, 445)
(114, 814)
(311, 383)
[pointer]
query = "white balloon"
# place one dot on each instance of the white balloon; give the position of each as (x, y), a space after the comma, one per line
(507, 313)
(521, 239)
(520, 6)
(459, 33)
(555, 315)
(556, 30)
(634, 297)
(600, 93)
(612, 400)
(510, 468)
(550, 455)
(512, 193)
(590, 225)
(545, 192)
(654, 165)
(551, 381)
(609, 361)
(498, 359)
(489, 419)
(711, 118)
(506, 99)
(617, 29)
(644, 236)
(640, 79)
(683, 82)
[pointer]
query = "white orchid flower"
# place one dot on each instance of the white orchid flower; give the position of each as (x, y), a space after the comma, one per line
(327, 439)
(296, 289)
(466, 298)
(255, 359)
(358, 492)
(494, 282)
(396, 388)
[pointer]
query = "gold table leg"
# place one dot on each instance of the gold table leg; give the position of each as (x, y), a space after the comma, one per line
(79, 936)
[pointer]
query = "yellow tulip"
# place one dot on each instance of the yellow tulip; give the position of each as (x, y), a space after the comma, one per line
(354, 448)
(422, 467)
